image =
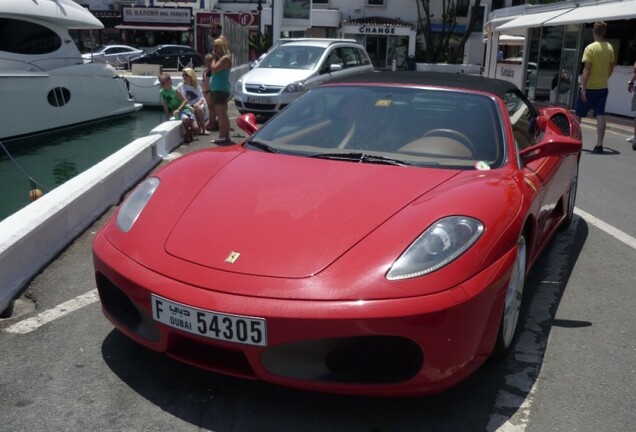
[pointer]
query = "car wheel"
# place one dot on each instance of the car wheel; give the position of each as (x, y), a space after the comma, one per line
(571, 198)
(512, 302)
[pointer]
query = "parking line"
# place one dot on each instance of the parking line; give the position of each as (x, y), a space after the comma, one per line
(37, 321)
(609, 229)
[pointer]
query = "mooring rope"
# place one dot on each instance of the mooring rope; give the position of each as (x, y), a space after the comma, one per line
(32, 182)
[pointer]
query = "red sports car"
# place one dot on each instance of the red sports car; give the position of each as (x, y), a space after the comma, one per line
(373, 238)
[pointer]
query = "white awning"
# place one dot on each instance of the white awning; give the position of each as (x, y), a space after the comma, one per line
(617, 10)
(532, 19)
(495, 22)
(151, 28)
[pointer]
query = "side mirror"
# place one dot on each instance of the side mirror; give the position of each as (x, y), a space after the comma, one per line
(335, 68)
(247, 122)
(553, 147)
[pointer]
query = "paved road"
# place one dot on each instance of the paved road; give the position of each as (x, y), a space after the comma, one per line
(64, 367)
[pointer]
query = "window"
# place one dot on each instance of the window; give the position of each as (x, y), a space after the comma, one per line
(23, 37)
(350, 59)
(522, 118)
(461, 10)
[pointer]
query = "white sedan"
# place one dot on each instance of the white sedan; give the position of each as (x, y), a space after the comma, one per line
(113, 54)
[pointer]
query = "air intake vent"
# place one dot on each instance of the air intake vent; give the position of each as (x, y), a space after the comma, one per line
(562, 124)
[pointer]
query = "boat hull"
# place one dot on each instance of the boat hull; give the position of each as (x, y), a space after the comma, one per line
(62, 97)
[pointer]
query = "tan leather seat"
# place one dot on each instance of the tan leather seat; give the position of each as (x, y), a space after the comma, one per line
(437, 146)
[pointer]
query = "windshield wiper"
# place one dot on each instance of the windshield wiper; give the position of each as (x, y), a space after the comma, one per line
(262, 146)
(362, 158)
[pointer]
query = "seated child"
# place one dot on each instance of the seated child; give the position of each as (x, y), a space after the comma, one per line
(175, 105)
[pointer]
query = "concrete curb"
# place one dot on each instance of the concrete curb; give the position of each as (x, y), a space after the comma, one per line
(49, 224)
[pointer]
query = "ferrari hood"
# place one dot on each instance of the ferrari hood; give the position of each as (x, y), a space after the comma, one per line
(290, 217)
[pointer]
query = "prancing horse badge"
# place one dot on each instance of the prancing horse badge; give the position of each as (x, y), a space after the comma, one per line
(232, 257)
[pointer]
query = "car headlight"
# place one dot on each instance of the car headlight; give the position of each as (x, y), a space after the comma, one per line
(296, 87)
(135, 203)
(239, 85)
(439, 245)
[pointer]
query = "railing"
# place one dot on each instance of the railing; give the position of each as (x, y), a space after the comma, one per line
(31, 66)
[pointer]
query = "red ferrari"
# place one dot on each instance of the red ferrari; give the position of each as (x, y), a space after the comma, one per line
(373, 238)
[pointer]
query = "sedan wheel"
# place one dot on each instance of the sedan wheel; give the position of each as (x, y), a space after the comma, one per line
(512, 302)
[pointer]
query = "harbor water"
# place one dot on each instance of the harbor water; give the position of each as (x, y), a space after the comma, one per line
(50, 160)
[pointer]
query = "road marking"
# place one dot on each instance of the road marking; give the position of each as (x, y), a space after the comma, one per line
(35, 322)
(609, 229)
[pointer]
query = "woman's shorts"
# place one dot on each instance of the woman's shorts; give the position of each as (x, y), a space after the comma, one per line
(187, 114)
(220, 98)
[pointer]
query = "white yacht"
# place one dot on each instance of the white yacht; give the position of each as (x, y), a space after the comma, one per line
(44, 82)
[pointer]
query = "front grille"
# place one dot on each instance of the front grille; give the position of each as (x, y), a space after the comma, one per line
(209, 357)
(258, 107)
(262, 89)
(362, 360)
(375, 359)
(562, 124)
(120, 308)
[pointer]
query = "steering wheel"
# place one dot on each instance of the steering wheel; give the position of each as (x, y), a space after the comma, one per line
(456, 135)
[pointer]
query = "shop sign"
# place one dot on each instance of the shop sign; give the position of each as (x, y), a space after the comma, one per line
(156, 15)
(381, 30)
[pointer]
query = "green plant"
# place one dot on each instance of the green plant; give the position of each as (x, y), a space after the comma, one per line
(260, 43)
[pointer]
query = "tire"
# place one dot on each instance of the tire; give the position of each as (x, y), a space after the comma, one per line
(508, 327)
(569, 206)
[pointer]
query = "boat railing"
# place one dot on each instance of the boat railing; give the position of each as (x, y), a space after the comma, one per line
(39, 65)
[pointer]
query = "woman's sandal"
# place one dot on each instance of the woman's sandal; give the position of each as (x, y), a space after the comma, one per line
(598, 149)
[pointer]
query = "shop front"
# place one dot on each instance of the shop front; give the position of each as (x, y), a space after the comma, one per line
(146, 27)
(385, 39)
(547, 64)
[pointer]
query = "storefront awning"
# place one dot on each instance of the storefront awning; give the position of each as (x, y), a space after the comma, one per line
(532, 19)
(618, 10)
(509, 40)
(152, 28)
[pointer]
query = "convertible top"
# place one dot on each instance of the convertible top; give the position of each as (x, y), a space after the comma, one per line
(442, 79)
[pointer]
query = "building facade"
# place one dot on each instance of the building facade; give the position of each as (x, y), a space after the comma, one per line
(387, 28)
(542, 46)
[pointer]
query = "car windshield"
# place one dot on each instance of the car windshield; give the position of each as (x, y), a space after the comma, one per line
(389, 124)
(292, 57)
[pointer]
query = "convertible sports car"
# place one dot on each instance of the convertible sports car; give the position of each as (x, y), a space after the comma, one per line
(372, 238)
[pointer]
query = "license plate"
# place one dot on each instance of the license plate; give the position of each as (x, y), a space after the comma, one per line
(259, 100)
(214, 325)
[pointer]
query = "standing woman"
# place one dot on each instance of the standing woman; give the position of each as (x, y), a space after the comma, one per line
(220, 87)
(207, 94)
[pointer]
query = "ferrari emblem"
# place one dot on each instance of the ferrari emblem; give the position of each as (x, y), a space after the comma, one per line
(232, 257)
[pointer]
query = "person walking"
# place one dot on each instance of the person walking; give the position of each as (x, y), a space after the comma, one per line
(630, 88)
(221, 87)
(599, 60)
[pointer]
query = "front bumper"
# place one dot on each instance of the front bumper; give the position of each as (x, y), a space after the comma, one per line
(392, 347)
